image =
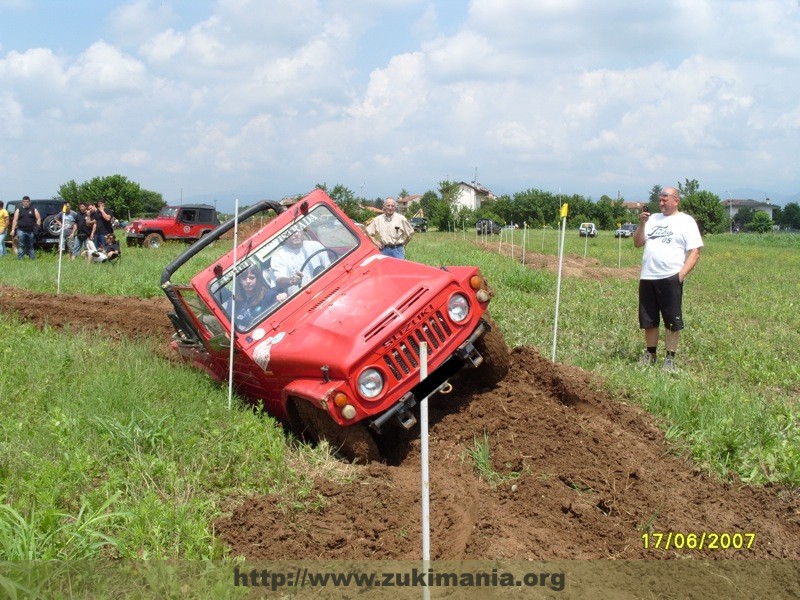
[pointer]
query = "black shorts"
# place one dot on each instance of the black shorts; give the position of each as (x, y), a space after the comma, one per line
(661, 297)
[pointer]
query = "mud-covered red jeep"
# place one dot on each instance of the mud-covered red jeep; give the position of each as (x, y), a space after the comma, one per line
(328, 331)
(186, 223)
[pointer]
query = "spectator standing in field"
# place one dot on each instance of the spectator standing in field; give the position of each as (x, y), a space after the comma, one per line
(26, 221)
(4, 219)
(672, 245)
(84, 226)
(103, 218)
(68, 218)
(391, 231)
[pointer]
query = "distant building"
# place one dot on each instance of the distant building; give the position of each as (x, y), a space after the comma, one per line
(734, 205)
(403, 203)
(472, 195)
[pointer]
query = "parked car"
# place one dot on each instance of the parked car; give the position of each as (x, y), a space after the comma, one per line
(186, 223)
(419, 224)
(587, 230)
(51, 227)
(336, 353)
(627, 230)
(486, 226)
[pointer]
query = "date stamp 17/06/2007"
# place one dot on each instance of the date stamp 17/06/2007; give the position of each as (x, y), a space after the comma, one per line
(704, 540)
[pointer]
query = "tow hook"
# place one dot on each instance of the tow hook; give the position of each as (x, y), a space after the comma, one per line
(445, 388)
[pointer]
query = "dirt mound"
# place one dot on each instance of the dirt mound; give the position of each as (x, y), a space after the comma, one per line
(575, 473)
(578, 475)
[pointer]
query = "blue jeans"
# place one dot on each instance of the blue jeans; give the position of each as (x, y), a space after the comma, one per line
(3, 244)
(99, 240)
(25, 241)
(396, 252)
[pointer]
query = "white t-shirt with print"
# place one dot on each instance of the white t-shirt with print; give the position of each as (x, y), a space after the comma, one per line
(667, 241)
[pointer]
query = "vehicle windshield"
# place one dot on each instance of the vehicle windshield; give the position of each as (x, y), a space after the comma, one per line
(168, 211)
(283, 266)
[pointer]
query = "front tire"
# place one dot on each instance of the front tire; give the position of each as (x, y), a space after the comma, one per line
(153, 240)
(496, 359)
(354, 442)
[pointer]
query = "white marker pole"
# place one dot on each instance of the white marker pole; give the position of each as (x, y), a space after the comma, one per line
(524, 241)
(424, 469)
(564, 210)
(60, 250)
(233, 301)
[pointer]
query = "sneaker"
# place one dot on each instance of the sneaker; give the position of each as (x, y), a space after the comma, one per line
(647, 359)
(669, 363)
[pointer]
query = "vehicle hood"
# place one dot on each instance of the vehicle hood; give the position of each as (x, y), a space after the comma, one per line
(353, 319)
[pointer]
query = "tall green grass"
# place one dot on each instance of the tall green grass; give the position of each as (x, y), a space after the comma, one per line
(107, 450)
(734, 400)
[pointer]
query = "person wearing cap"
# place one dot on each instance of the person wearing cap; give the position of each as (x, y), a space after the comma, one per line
(26, 221)
(391, 231)
(111, 248)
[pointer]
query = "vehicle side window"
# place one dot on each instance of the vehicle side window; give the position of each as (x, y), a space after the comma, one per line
(189, 215)
(206, 215)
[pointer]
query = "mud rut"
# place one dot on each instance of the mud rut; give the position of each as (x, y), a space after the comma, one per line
(593, 472)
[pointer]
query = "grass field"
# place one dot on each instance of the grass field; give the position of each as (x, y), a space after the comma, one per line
(106, 450)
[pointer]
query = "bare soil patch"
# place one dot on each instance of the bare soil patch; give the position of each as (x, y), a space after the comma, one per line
(585, 474)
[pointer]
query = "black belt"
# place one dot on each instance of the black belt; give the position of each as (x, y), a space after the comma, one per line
(393, 245)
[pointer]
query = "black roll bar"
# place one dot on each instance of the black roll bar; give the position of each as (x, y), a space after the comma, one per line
(182, 320)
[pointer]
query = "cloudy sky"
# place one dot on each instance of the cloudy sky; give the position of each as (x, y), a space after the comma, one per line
(201, 99)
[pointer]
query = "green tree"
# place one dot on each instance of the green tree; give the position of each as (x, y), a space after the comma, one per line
(760, 223)
(743, 216)
(790, 215)
(443, 210)
(688, 188)
(706, 209)
(125, 198)
(652, 200)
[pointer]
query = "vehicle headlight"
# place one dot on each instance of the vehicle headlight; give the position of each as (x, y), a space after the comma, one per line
(458, 308)
(370, 383)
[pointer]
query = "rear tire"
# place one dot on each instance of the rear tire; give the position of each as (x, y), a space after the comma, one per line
(354, 442)
(153, 240)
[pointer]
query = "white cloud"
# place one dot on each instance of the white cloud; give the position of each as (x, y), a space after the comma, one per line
(103, 70)
(532, 92)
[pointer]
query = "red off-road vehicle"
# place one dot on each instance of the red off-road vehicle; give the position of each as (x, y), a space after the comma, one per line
(187, 223)
(336, 352)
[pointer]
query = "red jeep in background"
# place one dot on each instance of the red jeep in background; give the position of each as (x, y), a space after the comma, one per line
(336, 355)
(186, 223)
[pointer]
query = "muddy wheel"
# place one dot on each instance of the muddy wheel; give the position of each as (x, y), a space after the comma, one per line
(496, 359)
(153, 240)
(354, 443)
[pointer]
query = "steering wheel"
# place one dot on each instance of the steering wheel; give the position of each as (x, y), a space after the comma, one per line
(320, 267)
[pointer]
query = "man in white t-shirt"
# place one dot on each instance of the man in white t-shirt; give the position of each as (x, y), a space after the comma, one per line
(288, 261)
(672, 245)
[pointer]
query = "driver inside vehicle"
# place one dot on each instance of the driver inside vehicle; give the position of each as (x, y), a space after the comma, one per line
(298, 261)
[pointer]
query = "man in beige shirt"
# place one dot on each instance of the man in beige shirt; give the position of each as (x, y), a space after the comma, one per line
(391, 231)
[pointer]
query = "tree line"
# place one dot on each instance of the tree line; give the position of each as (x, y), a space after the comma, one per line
(532, 207)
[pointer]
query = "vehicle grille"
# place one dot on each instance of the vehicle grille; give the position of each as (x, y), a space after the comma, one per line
(403, 357)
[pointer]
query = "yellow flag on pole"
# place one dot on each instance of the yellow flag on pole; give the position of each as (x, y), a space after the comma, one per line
(564, 210)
